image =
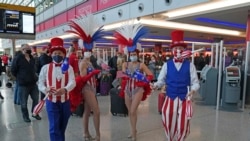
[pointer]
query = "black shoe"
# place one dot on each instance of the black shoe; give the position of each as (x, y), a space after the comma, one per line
(1, 97)
(26, 119)
(37, 117)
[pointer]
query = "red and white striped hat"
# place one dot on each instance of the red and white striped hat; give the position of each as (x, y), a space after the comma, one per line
(177, 39)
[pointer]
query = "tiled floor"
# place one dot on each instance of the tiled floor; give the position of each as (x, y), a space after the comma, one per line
(206, 125)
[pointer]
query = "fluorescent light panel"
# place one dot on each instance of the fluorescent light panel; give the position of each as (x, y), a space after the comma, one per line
(223, 23)
(190, 27)
(207, 7)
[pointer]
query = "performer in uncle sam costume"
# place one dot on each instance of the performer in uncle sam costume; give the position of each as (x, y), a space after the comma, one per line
(134, 86)
(87, 29)
(56, 84)
(178, 74)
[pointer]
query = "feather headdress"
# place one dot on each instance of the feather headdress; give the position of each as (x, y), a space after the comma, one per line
(129, 35)
(86, 28)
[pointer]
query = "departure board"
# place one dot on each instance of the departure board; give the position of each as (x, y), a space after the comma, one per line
(1, 21)
(17, 22)
(12, 21)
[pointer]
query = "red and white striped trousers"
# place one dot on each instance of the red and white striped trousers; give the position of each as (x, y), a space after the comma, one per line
(175, 120)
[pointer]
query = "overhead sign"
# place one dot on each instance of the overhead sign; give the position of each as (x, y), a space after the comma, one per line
(17, 22)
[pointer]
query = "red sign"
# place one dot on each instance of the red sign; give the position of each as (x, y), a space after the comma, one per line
(71, 14)
(87, 8)
(49, 23)
(60, 19)
(103, 4)
(38, 28)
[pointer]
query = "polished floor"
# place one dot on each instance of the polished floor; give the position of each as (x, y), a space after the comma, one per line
(206, 125)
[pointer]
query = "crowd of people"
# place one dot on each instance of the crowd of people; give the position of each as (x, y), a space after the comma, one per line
(65, 90)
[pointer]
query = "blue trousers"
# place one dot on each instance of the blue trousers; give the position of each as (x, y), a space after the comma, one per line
(58, 114)
(17, 99)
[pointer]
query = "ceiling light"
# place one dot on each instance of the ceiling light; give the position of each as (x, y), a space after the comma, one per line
(154, 40)
(117, 25)
(40, 42)
(190, 27)
(205, 8)
(67, 36)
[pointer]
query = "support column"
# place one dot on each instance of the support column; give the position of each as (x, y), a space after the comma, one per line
(246, 90)
(13, 49)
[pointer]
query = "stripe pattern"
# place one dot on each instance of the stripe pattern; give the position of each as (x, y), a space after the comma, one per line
(53, 81)
(131, 85)
(175, 120)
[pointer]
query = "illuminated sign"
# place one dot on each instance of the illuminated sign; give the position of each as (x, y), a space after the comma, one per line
(17, 22)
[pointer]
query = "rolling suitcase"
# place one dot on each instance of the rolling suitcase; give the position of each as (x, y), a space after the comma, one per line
(161, 98)
(105, 84)
(118, 106)
(79, 110)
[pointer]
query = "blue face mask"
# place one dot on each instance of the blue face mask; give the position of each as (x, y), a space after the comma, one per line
(133, 58)
(57, 58)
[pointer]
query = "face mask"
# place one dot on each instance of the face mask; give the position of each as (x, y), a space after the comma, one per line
(133, 58)
(177, 53)
(57, 58)
(28, 51)
(87, 54)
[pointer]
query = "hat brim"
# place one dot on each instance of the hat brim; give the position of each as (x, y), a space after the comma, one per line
(179, 44)
(58, 48)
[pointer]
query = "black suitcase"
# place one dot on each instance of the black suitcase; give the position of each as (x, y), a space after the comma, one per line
(118, 106)
(79, 110)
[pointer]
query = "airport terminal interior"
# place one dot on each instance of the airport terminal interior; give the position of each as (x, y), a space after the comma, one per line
(217, 34)
(207, 124)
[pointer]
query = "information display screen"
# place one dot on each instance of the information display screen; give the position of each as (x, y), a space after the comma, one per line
(1, 21)
(12, 21)
(17, 22)
(232, 72)
(28, 23)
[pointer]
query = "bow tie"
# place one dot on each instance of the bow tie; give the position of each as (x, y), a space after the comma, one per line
(178, 60)
(57, 65)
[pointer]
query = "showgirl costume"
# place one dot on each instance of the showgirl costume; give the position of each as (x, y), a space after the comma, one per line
(86, 28)
(134, 80)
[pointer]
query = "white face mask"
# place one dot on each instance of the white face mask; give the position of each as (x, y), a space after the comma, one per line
(87, 54)
(133, 58)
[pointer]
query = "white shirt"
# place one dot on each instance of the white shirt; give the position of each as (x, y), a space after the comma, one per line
(43, 75)
(193, 74)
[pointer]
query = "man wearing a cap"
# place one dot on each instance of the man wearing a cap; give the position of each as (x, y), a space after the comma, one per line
(57, 84)
(178, 74)
(23, 68)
